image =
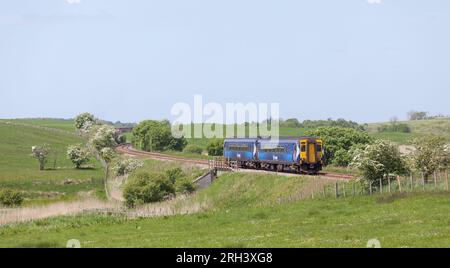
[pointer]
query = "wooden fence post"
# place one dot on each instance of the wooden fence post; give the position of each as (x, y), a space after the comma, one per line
(411, 178)
(446, 180)
(336, 190)
(435, 180)
(354, 189)
(324, 192)
(423, 181)
(343, 189)
(370, 188)
(399, 181)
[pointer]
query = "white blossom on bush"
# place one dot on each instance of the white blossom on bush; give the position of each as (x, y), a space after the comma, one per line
(78, 154)
(103, 137)
(41, 154)
(84, 122)
(127, 165)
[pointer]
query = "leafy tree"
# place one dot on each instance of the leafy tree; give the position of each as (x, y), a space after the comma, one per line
(78, 154)
(174, 173)
(147, 187)
(395, 126)
(184, 186)
(342, 158)
(84, 121)
(332, 123)
(431, 154)
(291, 122)
(379, 160)
(193, 149)
(339, 141)
(127, 165)
(121, 139)
(215, 147)
(106, 155)
(415, 115)
(176, 144)
(151, 135)
(103, 136)
(41, 153)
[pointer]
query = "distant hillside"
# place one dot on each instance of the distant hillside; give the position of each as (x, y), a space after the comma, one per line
(438, 126)
(62, 124)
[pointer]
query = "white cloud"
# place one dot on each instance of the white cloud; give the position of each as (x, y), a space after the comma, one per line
(374, 2)
(73, 2)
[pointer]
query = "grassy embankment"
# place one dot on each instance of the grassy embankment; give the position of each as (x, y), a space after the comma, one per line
(250, 210)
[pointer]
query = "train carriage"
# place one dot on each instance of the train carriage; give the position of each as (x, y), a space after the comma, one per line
(300, 154)
(241, 150)
(279, 153)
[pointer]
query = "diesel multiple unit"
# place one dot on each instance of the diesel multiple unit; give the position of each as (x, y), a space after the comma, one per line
(302, 154)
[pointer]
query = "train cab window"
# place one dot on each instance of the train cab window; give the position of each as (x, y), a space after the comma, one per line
(303, 148)
(319, 147)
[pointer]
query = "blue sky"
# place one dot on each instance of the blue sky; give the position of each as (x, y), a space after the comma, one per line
(365, 60)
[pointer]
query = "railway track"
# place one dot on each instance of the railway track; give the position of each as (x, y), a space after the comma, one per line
(128, 149)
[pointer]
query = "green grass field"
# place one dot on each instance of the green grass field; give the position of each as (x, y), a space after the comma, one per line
(19, 170)
(61, 124)
(246, 212)
(244, 209)
(419, 128)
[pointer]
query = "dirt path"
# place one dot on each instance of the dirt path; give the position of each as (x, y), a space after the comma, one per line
(176, 206)
(24, 214)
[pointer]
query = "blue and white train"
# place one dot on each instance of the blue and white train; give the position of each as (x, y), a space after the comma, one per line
(302, 154)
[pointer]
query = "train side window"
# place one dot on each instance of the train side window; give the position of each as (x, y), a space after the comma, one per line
(239, 147)
(319, 147)
(278, 149)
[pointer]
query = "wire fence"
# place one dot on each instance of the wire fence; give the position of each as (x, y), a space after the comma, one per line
(439, 181)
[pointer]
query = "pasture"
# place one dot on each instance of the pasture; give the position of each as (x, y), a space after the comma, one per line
(60, 180)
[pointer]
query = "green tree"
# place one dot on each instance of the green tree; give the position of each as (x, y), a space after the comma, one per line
(291, 122)
(174, 174)
(126, 165)
(103, 136)
(394, 126)
(147, 187)
(84, 121)
(430, 155)
(41, 153)
(339, 141)
(215, 147)
(379, 160)
(151, 135)
(415, 115)
(78, 154)
(184, 186)
(193, 149)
